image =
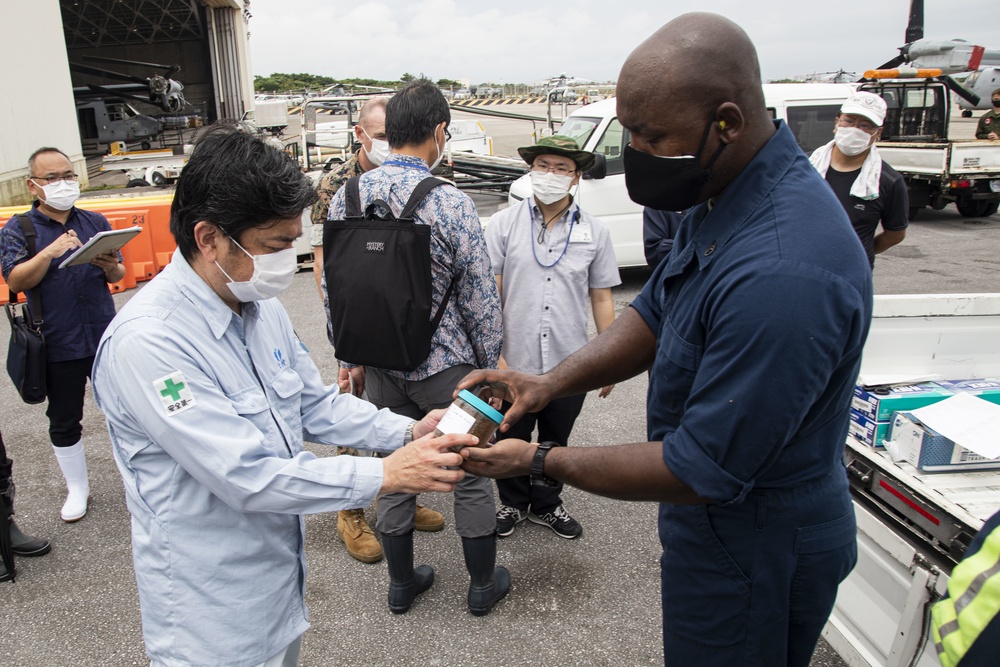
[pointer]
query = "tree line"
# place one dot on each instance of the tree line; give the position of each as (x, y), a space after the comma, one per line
(279, 82)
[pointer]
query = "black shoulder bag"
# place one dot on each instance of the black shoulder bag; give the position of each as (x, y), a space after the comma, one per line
(26, 353)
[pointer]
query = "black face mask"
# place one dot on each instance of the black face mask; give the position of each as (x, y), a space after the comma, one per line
(668, 183)
(996, 103)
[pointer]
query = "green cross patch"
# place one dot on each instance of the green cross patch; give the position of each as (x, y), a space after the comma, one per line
(174, 393)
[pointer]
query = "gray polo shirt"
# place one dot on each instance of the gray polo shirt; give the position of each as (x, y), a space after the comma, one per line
(546, 285)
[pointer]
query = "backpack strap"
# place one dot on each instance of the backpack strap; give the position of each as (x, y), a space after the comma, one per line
(28, 229)
(417, 196)
(352, 199)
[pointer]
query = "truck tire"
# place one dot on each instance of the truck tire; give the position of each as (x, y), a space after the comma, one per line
(991, 208)
(158, 179)
(971, 208)
(137, 183)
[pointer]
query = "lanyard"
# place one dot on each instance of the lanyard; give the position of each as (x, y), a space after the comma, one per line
(569, 234)
(400, 163)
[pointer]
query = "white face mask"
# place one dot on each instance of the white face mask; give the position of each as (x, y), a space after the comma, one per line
(272, 274)
(379, 151)
(549, 188)
(852, 140)
(440, 150)
(61, 195)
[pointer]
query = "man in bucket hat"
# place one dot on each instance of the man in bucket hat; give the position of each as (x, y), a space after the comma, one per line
(869, 189)
(547, 240)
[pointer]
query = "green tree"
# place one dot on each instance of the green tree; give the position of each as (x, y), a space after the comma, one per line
(407, 77)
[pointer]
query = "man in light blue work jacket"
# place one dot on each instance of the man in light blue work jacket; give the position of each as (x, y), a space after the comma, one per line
(208, 395)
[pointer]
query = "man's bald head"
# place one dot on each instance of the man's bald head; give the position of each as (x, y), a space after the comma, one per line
(693, 88)
(699, 60)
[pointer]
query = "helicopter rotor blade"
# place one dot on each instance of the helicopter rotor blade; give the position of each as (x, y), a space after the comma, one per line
(915, 28)
(894, 63)
(169, 68)
(960, 90)
(95, 71)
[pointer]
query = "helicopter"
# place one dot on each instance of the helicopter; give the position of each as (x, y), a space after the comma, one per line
(977, 65)
(159, 90)
(104, 112)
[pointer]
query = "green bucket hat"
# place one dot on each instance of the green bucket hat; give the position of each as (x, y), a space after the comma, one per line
(558, 144)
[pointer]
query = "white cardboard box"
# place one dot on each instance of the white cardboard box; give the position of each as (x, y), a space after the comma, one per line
(927, 450)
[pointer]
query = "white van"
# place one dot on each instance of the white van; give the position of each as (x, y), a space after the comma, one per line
(808, 108)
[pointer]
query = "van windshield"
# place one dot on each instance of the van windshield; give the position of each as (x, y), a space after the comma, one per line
(579, 129)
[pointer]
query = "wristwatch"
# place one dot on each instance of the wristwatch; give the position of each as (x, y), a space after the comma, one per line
(538, 477)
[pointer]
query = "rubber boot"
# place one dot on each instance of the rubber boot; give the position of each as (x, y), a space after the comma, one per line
(489, 583)
(405, 582)
(23, 545)
(7, 569)
(74, 468)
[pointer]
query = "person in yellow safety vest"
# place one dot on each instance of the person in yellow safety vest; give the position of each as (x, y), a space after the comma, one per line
(967, 621)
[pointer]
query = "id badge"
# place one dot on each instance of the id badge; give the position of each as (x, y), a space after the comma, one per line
(580, 234)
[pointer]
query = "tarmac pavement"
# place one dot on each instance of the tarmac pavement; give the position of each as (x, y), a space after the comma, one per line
(591, 601)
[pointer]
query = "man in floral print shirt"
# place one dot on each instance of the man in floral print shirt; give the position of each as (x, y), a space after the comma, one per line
(469, 337)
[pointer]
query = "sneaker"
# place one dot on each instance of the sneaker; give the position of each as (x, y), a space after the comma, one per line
(559, 521)
(507, 519)
(428, 520)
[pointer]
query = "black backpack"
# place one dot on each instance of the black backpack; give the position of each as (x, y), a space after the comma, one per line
(378, 277)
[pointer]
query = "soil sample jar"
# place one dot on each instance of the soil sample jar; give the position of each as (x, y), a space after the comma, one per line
(470, 414)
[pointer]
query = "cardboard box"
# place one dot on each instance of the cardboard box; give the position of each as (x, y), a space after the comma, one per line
(878, 405)
(988, 390)
(927, 450)
(866, 431)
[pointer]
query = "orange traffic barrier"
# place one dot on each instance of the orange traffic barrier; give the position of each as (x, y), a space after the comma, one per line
(140, 263)
(163, 241)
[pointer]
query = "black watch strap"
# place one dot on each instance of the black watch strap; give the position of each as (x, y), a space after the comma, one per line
(538, 477)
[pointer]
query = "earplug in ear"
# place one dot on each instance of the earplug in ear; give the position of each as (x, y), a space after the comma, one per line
(722, 124)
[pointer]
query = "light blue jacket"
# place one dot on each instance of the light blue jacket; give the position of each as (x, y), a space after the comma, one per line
(207, 413)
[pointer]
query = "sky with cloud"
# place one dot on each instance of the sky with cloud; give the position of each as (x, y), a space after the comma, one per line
(523, 41)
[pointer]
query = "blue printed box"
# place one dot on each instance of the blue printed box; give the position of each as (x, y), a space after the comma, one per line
(988, 390)
(879, 404)
(927, 450)
(866, 431)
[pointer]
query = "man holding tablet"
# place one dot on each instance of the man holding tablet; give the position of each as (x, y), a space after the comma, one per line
(76, 305)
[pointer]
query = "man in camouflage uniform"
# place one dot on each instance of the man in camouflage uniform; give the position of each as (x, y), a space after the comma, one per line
(352, 526)
(989, 122)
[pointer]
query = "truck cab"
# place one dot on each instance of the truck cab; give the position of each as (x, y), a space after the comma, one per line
(937, 169)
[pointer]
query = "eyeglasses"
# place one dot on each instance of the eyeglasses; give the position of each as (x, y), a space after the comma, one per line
(48, 180)
(863, 125)
(554, 169)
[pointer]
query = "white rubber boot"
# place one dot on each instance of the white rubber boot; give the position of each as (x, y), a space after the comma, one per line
(74, 468)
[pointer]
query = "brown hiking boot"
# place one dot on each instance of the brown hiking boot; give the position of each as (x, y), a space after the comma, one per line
(428, 520)
(358, 536)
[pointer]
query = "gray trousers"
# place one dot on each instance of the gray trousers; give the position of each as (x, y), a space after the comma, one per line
(475, 509)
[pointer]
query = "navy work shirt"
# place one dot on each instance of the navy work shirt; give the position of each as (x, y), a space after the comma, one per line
(760, 313)
(76, 303)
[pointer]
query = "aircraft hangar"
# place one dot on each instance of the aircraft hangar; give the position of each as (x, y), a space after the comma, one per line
(150, 54)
